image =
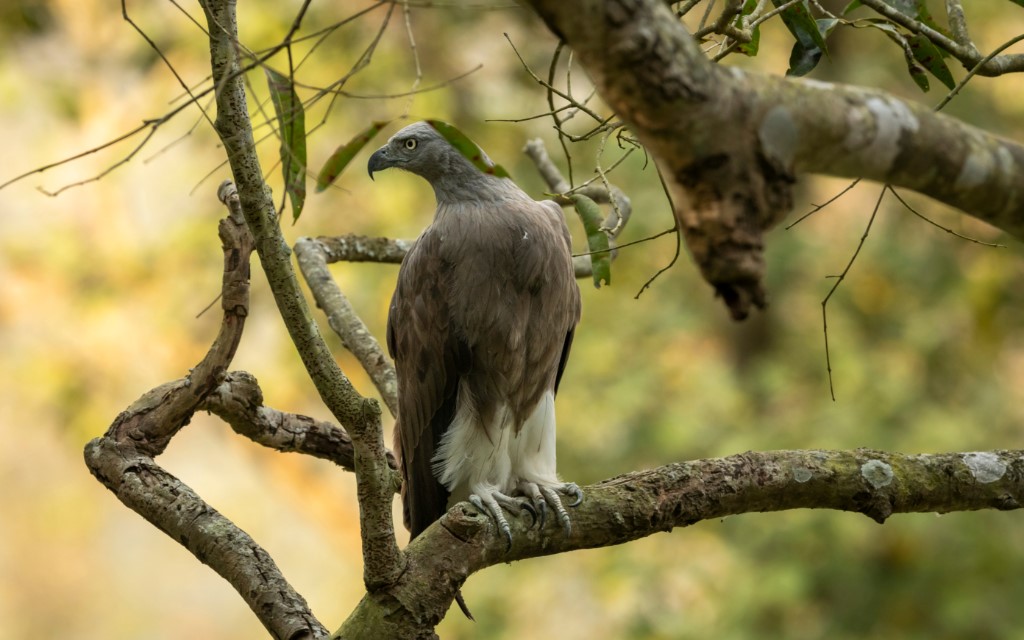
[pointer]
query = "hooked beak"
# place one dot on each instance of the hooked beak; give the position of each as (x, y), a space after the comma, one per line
(378, 161)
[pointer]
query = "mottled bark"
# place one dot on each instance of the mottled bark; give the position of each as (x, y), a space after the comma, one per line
(734, 141)
(238, 401)
(123, 461)
(635, 505)
(360, 416)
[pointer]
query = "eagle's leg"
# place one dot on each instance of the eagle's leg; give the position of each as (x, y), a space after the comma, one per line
(491, 502)
(544, 495)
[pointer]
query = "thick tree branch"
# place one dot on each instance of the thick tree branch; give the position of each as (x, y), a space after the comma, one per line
(123, 461)
(358, 415)
(174, 508)
(729, 188)
(235, 131)
(638, 504)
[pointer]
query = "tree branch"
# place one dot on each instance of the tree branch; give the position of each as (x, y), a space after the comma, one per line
(961, 48)
(358, 415)
(239, 402)
(312, 257)
(123, 461)
(235, 131)
(728, 189)
(632, 506)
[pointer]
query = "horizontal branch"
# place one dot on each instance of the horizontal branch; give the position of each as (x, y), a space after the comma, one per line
(635, 505)
(353, 247)
(239, 402)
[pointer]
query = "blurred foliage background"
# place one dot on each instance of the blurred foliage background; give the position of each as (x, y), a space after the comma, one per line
(102, 285)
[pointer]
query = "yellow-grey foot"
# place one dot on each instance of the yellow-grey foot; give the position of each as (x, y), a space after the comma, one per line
(491, 502)
(543, 496)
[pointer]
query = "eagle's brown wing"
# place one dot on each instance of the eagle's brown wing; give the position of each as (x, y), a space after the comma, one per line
(429, 359)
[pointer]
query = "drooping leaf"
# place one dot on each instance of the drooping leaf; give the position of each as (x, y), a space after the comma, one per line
(917, 72)
(749, 48)
(922, 14)
(468, 149)
(344, 154)
(930, 58)
(918, 75)
(801, 24)
(597, 240)
(291, 120)
(806, 53)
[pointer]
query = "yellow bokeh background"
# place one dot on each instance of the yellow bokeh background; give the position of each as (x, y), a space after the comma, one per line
(101, 287)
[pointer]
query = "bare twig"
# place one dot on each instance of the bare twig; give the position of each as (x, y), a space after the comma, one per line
(818, 207)
(939, 226)
(839, 281)
(679, 236)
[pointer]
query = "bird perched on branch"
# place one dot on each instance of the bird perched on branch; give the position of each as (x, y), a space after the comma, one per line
(480, 328)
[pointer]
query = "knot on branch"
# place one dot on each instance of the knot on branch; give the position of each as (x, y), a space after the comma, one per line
(724, 204)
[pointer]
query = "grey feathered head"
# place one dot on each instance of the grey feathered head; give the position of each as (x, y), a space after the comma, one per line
(420, 149)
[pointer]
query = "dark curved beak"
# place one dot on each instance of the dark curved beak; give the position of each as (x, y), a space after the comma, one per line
(378, 161)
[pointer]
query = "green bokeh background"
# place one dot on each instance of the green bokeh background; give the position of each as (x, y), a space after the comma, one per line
(102, 284)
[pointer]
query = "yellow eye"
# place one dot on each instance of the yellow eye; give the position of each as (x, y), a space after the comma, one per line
(410, 144)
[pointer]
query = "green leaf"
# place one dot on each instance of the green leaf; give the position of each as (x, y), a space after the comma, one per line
(801, 24)
(468, 149)
(930, 58)
(344, 154)
(597, 240)
(1019, 3)
(750, 48)
(918, 75)
(918, 10)
(291, 120)
(806, 53)
(850, 7)
(917, 72)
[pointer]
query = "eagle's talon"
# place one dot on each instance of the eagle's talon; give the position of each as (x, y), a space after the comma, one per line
(551, 497)
(529, 508)
(491, 502)
(532, 493)
(572, 489)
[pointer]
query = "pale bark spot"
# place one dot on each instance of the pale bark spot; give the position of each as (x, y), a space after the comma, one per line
(779, 135)
(985, 467)
(877, 134)
(877, 473)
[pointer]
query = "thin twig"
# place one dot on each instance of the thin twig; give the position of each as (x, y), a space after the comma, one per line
(839, 281)
(675, 227)
(937, 225)
(819, 207)
(628, 244)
